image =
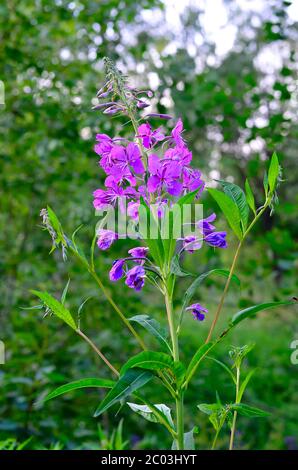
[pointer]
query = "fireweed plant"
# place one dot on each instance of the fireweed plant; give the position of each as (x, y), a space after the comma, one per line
(148, 178)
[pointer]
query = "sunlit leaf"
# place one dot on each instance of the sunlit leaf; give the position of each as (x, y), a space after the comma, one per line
(56, 307)
(229, 209)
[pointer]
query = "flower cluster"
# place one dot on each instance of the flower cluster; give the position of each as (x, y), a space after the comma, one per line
(127, 179)
(156, 168)
(135, 276)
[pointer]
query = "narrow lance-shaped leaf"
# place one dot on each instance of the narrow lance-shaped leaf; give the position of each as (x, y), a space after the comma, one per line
(230, 210)
(56, 307)
(132, 380)
(64, 293)
(273, 172)
(197, 358)
(250, 197)
(196, 283)
(177, 269)
(153, 327)
(249, 411)
(237, 195)
(250, 311)
(149, 360)
(244, 384)
(78, 384)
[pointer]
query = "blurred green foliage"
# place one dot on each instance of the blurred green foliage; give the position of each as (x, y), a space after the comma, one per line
(236, 111)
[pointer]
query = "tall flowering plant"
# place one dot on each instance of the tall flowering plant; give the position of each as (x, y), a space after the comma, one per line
(150, 179)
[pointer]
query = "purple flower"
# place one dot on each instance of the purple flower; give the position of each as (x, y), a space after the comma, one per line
(111, 195)
(104, 144)
(135, 278)
(176, 133)
(192, 180)
(164, 174)
(149, 137)
(198, 311)
(116, 271)
(133, 210)
(139, 252)
(106, 238)
(191, 243)
(204, 225)
(217, 239)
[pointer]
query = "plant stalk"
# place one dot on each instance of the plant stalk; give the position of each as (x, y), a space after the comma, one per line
(227, 285)
(235, 412)
(98, 352)
(180, 393)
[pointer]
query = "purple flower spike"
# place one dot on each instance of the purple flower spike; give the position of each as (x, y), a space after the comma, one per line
(106, 238)
(116, 271)
(217, 239)
(135, 278)
(198, 311)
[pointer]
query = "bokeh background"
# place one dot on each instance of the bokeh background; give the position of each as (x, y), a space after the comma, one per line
(229, 69)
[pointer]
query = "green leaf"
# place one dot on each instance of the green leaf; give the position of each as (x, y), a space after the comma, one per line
(249, 411)
(56, 307)
(209, 408)
(154, 328)
(224, 366)
(230, 210)
(64, 293)
(150, 360)
(132, 380)
(250, 311)
(189, 442)
(265, 183)
(192, 288)
(236, 194)
(244, 384)
(54, 221)
(197, 358)
(77, 384)
(179, 371)
(250, 197)
(148, 412)
(273, 172)
(176, 268)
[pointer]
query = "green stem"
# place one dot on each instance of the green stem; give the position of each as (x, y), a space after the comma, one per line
(220, 305)
(215, 439)
(91, 270)
(233, 429)
(117, 309)
(98, 351)
(217, 313)
(180, 420)
(180, 393)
